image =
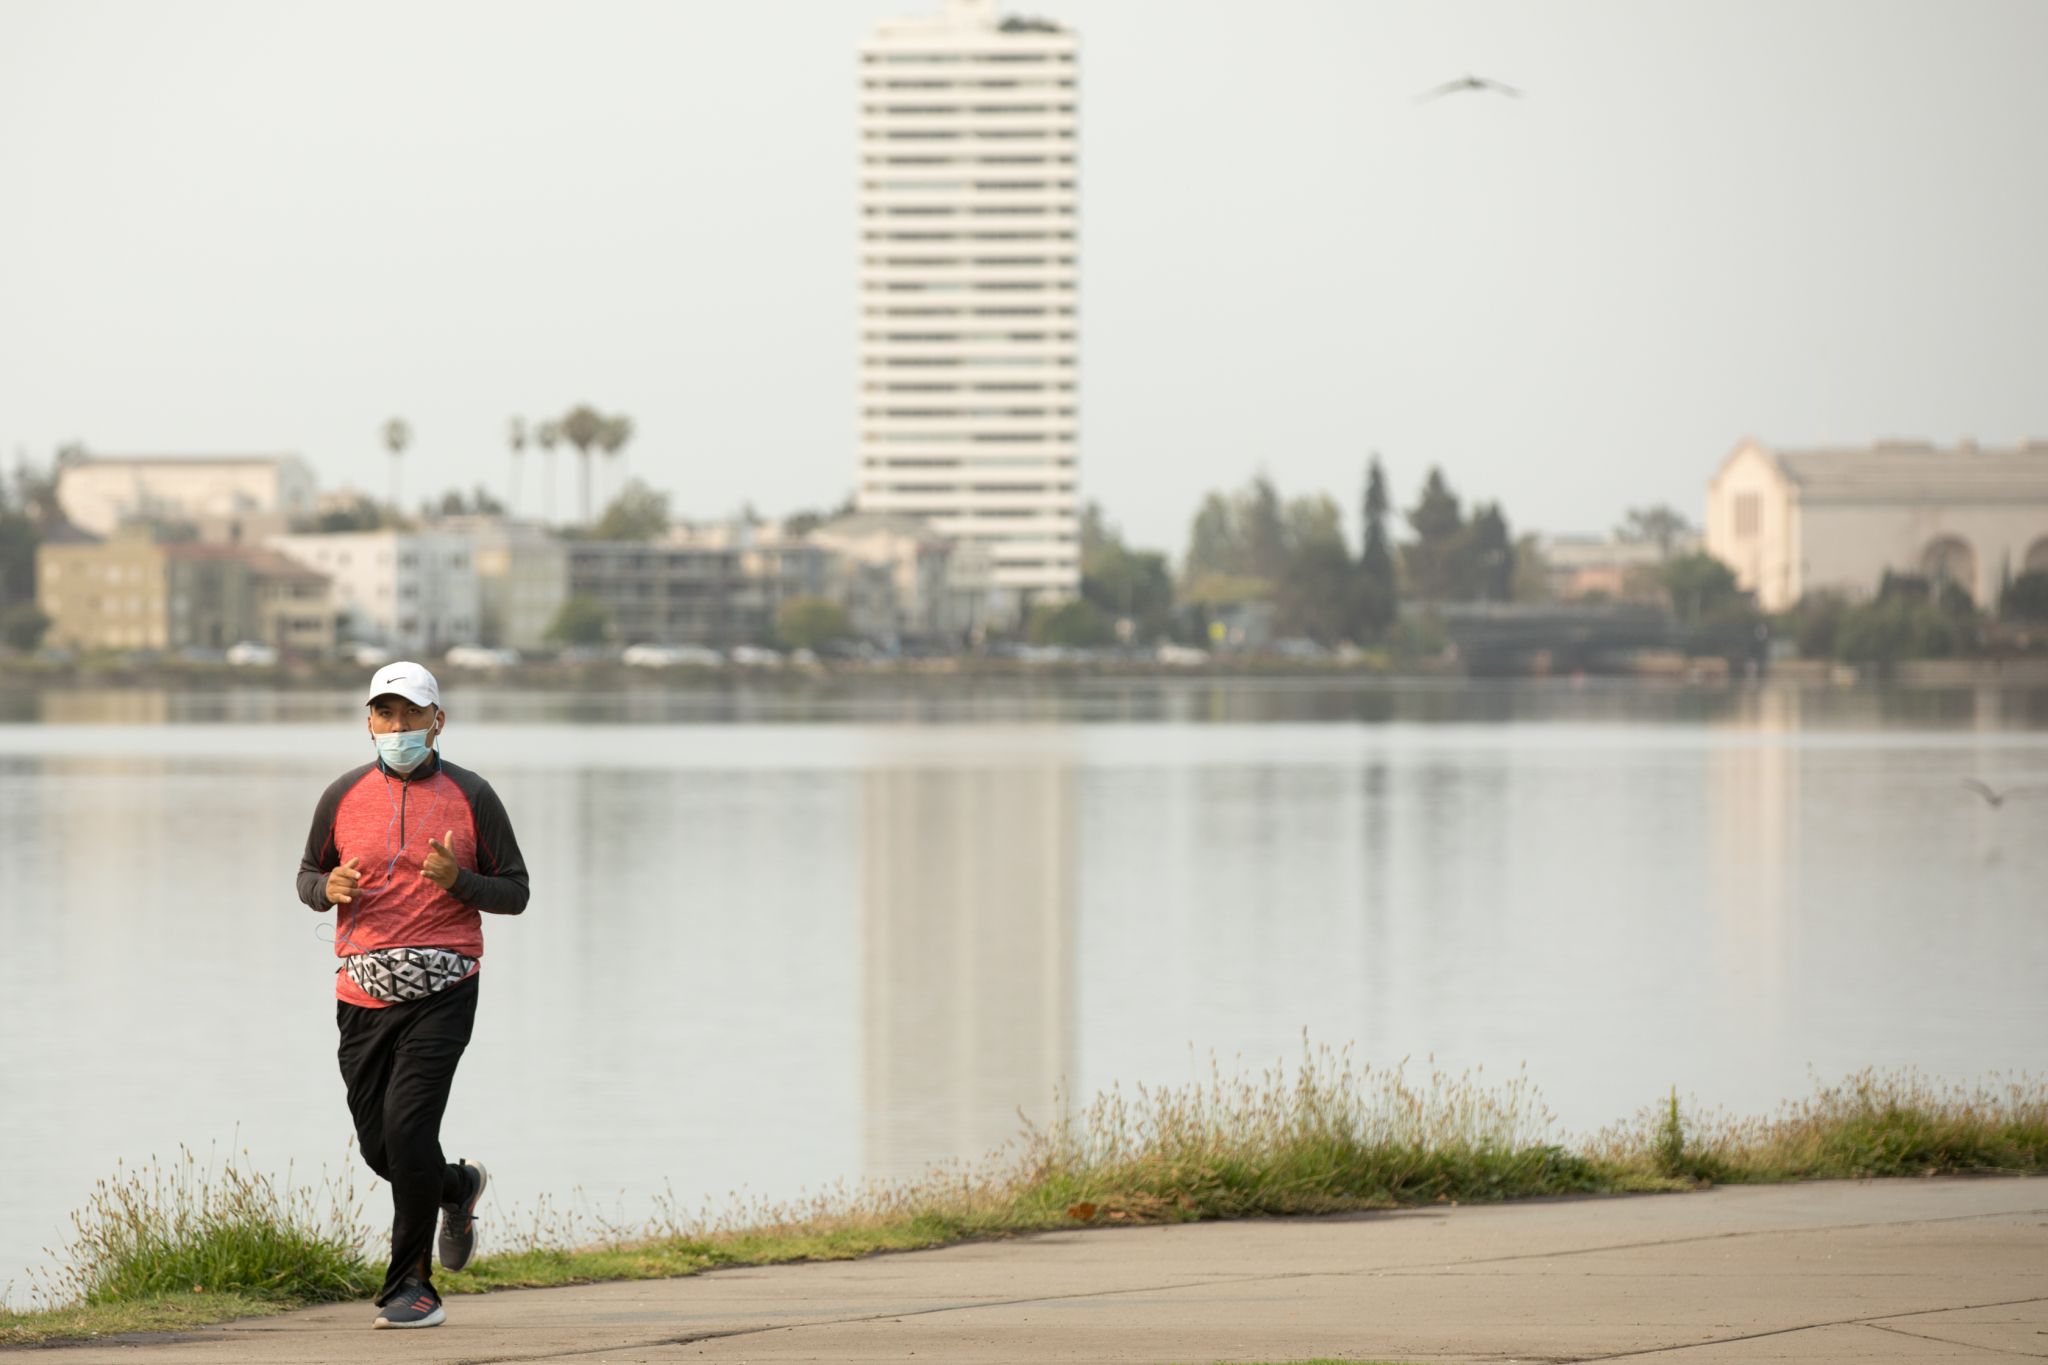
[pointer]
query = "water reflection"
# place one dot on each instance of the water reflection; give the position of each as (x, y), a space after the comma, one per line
(968, 881)
(884, 699)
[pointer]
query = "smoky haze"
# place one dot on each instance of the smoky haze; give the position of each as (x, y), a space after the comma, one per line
(241, 228)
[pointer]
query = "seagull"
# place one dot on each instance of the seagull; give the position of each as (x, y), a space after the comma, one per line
(1467, 83)
(1997, 799)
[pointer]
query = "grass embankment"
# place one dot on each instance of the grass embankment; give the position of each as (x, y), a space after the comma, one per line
(161, 1251)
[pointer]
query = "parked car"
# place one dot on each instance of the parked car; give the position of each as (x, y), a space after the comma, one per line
(754, 656)
(670, 656)
(1182, 656)
(251, 654)
(367, 655)
(480, 656)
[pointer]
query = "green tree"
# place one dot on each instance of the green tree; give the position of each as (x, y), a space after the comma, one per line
(22, 625)
(637, 513)
(1531, 580)
(1813, 623)
(397, 434)
(1214, 549)
(1378, 595)
(1488, 561)
(1433, 560)
(612, 438)
(1318, 594)
(360, 514)
(582, 426)
(1075, 622)
(1660, 525)
(515, 439)
(547, 436)
(1699, 585)
(810, 623)
(1262, 530)
(2026, 597)
(580, 621)
(19, 537)
(1896, 628)
(1123, 583)
(804, 522)
(479, 504)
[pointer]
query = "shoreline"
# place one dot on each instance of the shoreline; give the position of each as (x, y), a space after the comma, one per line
(19, 675)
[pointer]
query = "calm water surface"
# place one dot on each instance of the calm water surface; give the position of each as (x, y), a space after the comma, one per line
(782, 938)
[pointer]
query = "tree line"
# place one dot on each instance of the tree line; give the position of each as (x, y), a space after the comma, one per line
(1254, 545)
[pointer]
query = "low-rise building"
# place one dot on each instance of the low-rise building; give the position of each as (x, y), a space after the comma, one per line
(1793, 522)
(944, 588)
(292, 604)
(414, 592)
(668, 592)
(238, 498)
(522, 573)
(134, 591)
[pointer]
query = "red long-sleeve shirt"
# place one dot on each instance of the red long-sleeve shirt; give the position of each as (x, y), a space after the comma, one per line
(384, 819)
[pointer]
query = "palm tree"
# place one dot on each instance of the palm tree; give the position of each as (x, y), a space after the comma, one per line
(617, 431)
(397, 436)
(548, 435)
(582, 425)
(515, 437)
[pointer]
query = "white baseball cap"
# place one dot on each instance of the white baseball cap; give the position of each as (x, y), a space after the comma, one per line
(405, 679)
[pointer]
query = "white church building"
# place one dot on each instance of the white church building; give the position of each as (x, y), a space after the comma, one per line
(1791, 522)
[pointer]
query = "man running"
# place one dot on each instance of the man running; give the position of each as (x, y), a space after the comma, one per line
(408, 850)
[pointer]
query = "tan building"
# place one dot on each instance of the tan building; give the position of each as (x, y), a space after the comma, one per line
(1793, 522)
(940, 587)
(229, 497)
(293, 605)
(135, 592)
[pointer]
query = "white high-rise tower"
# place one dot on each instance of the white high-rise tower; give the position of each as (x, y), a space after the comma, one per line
(969, 262)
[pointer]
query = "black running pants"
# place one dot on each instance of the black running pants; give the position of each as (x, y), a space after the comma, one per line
(399, 1063)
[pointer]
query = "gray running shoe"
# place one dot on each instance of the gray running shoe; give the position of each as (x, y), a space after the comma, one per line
(414, 1305)
(458, 1220)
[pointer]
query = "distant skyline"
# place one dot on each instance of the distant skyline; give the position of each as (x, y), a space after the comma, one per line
(247, 228)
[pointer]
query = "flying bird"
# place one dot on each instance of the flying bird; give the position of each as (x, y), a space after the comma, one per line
(1995, 799)
(1464, 84)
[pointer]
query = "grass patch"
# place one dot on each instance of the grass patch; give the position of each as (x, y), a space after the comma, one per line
(180, 1244)
(1871, 1124)
(159, 1250)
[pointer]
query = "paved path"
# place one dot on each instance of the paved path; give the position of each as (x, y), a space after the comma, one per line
(1920, 1271)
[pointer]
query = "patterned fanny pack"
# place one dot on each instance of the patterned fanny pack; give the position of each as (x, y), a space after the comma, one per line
(396, 975)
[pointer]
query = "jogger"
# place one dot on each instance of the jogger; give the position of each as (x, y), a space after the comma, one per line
(410, 851)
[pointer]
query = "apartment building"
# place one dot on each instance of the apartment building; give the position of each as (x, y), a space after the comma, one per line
(969, 278)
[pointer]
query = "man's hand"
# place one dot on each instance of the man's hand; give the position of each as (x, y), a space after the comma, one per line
(440, 865)
(341, 883)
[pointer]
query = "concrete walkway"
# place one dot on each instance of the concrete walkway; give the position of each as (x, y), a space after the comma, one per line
(1921, 1271)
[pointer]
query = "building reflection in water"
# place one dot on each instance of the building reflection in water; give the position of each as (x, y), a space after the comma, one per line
(968, 901)
(1753, 784)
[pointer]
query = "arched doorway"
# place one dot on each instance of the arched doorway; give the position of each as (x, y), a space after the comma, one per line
(1949, 561)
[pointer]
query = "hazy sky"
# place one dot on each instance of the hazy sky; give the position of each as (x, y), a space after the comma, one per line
(234, 228)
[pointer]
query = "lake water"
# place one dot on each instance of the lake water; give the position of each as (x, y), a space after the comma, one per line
(781, 937)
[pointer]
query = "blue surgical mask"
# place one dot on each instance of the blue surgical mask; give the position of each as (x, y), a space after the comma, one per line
(404, 750)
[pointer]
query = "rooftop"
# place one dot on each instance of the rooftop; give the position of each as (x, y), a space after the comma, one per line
(1917, 470)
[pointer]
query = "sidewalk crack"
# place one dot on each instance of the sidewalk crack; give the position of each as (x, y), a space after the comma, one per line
(1875, 1320)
